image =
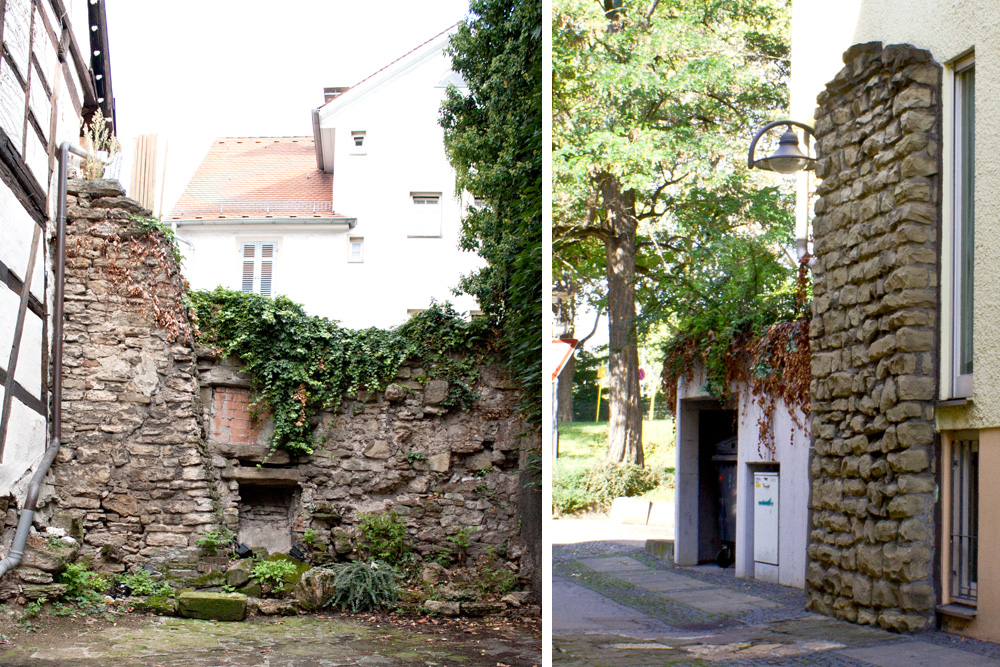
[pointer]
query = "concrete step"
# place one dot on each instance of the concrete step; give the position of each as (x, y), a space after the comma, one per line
(662, 549)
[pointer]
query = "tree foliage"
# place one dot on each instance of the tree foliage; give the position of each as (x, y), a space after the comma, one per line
(655, 104)
(493, 139)
(301, 364)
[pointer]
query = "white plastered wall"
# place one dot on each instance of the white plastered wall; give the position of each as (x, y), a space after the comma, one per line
(791, 453)
(26, 434)
(403, 154)
(791, 439)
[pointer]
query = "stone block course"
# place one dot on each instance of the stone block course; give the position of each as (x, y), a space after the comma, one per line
(873, 339)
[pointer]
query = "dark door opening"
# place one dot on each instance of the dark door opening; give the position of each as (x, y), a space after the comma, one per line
(714, 426)
(266, 516)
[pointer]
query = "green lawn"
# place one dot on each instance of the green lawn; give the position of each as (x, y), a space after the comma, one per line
(582, 444)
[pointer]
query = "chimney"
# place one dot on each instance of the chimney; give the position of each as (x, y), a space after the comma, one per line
(143, 188)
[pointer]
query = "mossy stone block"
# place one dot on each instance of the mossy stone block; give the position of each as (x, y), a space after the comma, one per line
(208, 580)
(160, 605)
(212, 606)
(252, 589)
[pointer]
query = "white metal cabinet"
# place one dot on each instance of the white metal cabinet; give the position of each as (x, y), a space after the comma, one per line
(765, 517)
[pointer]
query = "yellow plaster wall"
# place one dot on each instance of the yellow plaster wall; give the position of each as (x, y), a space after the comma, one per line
(821, 32)
(986, 625)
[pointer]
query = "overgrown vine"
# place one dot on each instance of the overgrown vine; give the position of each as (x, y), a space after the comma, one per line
(301, 364)
(767, 352)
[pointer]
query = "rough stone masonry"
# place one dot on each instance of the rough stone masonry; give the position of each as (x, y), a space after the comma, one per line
(159, 447)
(874, 365)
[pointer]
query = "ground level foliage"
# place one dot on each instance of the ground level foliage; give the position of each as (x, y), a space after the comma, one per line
(583, 480)
(301, 364)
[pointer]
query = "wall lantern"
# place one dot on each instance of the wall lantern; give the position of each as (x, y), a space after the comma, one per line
(789, 158)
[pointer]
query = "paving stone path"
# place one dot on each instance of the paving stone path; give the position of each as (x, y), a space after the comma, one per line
(615, 606)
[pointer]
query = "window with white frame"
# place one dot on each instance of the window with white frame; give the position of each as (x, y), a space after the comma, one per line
(257, 267)
(356, 249)
(358, 143)
(963, 516)
(964, 178)
(426, 216)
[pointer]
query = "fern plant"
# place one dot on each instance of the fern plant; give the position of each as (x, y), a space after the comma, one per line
(361, 586)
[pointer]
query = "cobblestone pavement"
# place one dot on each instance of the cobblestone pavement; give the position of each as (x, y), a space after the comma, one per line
(615, 605)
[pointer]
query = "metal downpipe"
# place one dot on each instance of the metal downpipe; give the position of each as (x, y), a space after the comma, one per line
(31, 501)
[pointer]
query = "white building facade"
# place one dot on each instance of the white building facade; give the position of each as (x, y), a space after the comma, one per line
(383, 243)
(49, 81)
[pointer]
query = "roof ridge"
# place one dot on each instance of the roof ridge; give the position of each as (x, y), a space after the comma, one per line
(416, 48)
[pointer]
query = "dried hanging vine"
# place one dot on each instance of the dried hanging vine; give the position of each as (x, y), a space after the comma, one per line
(142, 262)
(770, 357)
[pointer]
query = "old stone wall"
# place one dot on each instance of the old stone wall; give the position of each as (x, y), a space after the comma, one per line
(130, 480)
(159, 446)
(395, 450)
(871, 548)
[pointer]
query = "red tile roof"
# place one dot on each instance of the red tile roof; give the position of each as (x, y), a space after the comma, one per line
(256, 177)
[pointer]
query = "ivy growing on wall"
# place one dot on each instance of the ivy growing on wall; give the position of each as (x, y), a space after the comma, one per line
(302, 364)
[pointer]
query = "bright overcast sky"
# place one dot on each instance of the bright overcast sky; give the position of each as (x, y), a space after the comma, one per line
(191, 71)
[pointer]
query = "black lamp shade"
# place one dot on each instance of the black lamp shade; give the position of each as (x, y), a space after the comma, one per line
(788, 159)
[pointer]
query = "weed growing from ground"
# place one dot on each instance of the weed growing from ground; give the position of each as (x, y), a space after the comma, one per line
(383, 537)
(82, 585)
(141, 582)
(215, 540)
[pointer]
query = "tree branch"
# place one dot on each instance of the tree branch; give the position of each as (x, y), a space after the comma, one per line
(568, 232)
(649, 12)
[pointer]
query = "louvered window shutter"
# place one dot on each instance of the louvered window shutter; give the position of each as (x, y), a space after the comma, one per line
(249, 252)
(258, 268)
(266, 267)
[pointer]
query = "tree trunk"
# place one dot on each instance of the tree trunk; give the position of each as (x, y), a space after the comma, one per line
(566, 391)
(565, 313)
(624, 397)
